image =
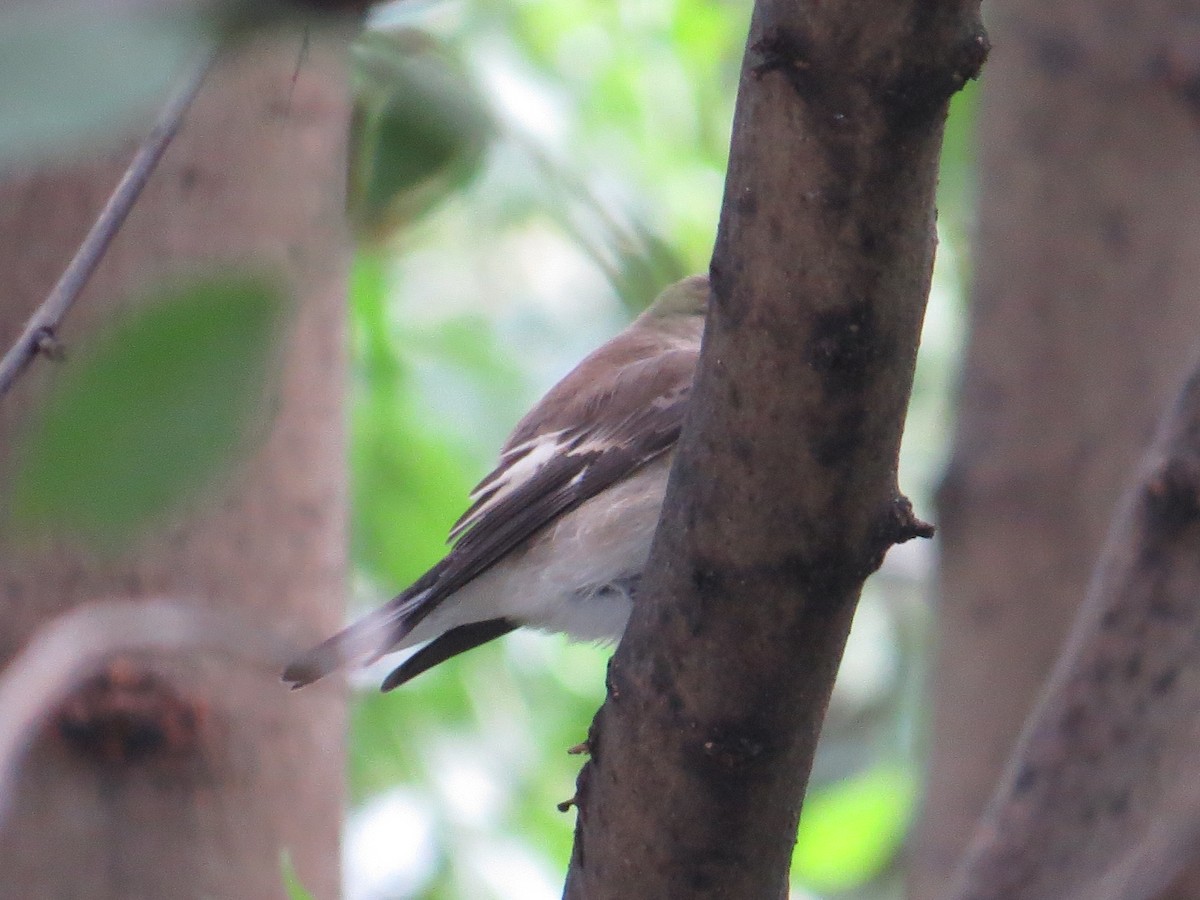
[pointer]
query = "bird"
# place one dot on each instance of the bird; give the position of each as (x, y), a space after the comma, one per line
(556, 536)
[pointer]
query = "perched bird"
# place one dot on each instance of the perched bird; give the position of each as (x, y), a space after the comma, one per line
(557, 535)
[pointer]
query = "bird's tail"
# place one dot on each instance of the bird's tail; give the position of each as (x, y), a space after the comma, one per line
(360, 644)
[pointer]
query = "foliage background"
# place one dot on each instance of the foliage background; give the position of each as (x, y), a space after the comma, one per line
(601, 181)
(526, 175)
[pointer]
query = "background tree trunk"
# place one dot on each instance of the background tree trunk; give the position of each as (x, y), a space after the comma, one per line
(1101, 799)
(255, 177)
(1084, 319)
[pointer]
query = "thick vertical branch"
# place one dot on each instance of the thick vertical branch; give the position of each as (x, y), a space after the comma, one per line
(235, 774)
(783, 497)
(1084, 318)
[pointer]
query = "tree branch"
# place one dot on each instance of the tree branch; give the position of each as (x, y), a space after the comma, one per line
(1101, 798)
(783, 496)
(40, 334)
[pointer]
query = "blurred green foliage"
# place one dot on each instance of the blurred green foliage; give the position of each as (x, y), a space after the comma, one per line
(76, 73)
(149, 412)
(525, 175)
(418, 132)
(602, 179)
(849, 828)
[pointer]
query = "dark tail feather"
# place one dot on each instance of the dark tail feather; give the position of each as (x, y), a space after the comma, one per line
(453, 642)
(374, 634)
(359, 644)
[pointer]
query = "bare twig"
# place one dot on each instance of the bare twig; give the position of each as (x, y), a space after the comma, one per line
(70, 649)
(39, 335)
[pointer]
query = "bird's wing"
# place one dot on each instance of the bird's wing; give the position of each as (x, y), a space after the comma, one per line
(562, 454)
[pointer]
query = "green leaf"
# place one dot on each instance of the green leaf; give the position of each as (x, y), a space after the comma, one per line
(147, 414)
(72, 73)
(419, 130)
(849, 830)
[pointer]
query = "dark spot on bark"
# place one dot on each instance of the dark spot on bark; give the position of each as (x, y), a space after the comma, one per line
(1133, 667)
(127, 715)
(868, 239)
(724, 753)
(828, 578)
(834, 446)
(733, 396)
(706, 580)
(1056, 53)
(918, 94)
(698, 879)
(731, 751)
(1118, 804)
(1179, 69)
(1164, 610)
(1073, 719)
(1114, 228)
(1102, 671)
(743, 449)
(788, 52)
(189, 177)
(1026, 779)
(1165, 682)
(842, 347)
(835, 196)
(1172, 495)
(662, 679)
(747, 203)
(710, 585)
(844, 350)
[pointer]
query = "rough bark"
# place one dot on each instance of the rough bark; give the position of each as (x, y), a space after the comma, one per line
(783, 497)
(1084, 316)
(1101, 797)
(243, 772)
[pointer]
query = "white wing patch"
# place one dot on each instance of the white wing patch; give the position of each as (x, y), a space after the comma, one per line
(591, 447)
(518, 466)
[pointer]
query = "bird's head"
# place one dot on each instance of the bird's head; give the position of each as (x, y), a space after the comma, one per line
(688, 297)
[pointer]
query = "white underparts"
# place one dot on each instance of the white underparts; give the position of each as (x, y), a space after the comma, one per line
(574, 576)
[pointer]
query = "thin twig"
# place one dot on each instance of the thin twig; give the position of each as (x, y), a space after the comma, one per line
(39, 335)
(68, 650)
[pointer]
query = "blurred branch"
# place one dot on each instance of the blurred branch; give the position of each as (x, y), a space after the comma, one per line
(1101, 798)
(40, 334)
(70, 649)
